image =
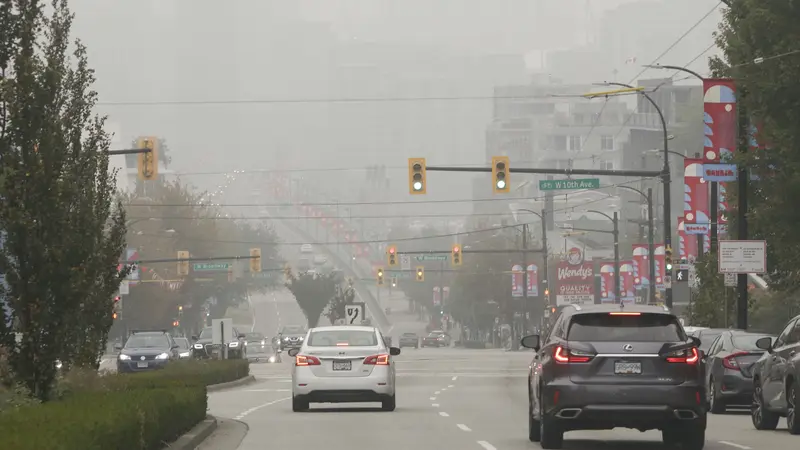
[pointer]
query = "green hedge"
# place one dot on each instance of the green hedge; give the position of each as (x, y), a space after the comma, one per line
(138, 411)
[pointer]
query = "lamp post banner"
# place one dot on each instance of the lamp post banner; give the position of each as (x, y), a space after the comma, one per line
(720, 120)
(695, 197)
(687, 247)
(641, 267)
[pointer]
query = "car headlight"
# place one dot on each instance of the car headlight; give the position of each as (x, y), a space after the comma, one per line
(263, 342)
(233, 344)
(163, 356)
(272, 359)
(124, 357)
(184, 355)
(198, 346)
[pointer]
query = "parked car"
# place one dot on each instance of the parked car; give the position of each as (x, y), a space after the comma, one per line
(776, 380)
(729, 361)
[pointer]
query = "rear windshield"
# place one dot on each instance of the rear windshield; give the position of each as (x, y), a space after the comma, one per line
(293, 330)
(707, 338)
(642, 328)
(333, 338)
(255, 336)
(747, 342)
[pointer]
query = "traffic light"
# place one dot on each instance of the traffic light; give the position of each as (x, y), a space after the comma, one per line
(391, 256)
(547, 296)
(455, 255)
(380, 276)
(420, 273)
(180, 309)
(117, 308)
(148, 162)
(416, 176)
(255, 260)
(115, 316)
(183, 265)
(500, 178)
(668, 259)
(176, 323)
(394, 281)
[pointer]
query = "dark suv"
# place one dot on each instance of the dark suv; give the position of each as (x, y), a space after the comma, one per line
(146, 350)
(608, 366)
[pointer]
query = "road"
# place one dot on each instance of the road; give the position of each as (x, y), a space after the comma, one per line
(447, 399)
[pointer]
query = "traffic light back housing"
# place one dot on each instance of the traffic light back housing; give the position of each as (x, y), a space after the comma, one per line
(255, 260)
(417, 182)
(148, 162)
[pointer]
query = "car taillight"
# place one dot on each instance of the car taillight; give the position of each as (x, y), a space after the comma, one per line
(377, 360)
(689, 356)
(303, 360)
(564, 355)
(730, 361)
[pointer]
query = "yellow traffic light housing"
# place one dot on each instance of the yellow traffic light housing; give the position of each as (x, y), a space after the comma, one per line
(420, 273)
(183, 264)
(500, 179)
(380, 276)
(455, 255)
(417, 183)
(394, 281)
(255, 260)
(668, 259)
(391, 256)
(147, 163)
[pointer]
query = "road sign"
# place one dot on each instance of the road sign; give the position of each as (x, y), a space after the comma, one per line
(405, 262)
(431, 257)
(742, 256)
(400, 274)
(730, 280)
(682, 276)
(125, 287)
(211, 267)
(667, 281)
(557, 185)
(355, 313)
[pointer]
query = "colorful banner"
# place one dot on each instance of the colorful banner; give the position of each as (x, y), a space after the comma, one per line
(625, 280)
(695, 197)
(641, 266)
(722, 212)
(607, 285)
(628, 290)
(720, 118)
(687, 244)
(661, 267)
(575, 280)
(533, 280)
(516, 280)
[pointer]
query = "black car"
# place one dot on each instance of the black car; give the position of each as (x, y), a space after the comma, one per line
(607, 366)
(409, 340)
(203, 347)
(146, 350)
(292, 336)
(436, 338)
(184, 347)
(776, 380)
(729, 377)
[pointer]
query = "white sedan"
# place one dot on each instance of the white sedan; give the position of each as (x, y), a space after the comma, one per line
(343, 364)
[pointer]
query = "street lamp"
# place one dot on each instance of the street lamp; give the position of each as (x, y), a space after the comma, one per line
(615, 232)
(650, 238)
(541, 217)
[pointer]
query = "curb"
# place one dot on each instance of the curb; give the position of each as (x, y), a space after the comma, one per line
(231, 384)
(196, 435)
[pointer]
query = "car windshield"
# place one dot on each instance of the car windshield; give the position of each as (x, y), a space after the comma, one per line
(634, 328)
(333, 338)
(748, 342)
(144, 341)
(183, 343)
(293, 330)
(409, 335)
(254, 336)
(206, 333)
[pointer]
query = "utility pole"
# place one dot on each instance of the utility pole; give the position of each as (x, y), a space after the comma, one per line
(515, 339)
(741, 213)
(617, 297)
(651, 246)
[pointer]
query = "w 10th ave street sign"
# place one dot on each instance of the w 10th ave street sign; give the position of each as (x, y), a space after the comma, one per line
(211, 267)
(431, 257)
(557, 185)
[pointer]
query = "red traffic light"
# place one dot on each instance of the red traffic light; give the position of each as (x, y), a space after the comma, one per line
(117, 298)
(114, 316)
(456, 249)
(391, 250)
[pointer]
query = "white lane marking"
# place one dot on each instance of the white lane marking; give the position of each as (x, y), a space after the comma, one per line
(733, 444)
(254, 409)
(444, 389)
(444, 414)
(435, 405)
(454, 378)
(451, 385)
(487, 445)
(266, 390)
(437, 392)
(433, 398)
(463, 427)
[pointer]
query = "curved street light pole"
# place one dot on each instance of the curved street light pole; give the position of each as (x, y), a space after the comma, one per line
(666, 179)
(541, 217)
(615, 221)
(651, 246)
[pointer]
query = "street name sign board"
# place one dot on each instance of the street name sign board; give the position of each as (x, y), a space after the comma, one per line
(742, 256)
(432, 257)
(558, 185)
(400, 274)
(211, 267)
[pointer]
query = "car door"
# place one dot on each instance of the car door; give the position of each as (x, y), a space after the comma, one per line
(775, 368)
(711, 360)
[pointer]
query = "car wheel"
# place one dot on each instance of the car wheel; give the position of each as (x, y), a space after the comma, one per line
(763, 418)
(792, 421)
(534, 427)
(551, 435)
(389, 404)
(715, 404)
(694, 436)
(299, 405)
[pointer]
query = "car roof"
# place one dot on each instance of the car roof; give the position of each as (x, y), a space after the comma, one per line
(344, 327)
(590, 309)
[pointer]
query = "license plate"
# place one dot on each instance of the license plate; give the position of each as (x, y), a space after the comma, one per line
(342, 365)
(627, 368)
(141, 364)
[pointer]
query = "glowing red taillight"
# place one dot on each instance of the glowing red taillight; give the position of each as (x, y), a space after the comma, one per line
(690, 356)
(303, 360)
(377, 360)
(564, 356)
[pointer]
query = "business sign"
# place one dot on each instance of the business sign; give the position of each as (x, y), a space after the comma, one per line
(533, 280)
(516, 280)
(575, 280)
(720, 172)
(697, 228)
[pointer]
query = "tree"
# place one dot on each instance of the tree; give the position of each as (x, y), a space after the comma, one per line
(63, 233)
(337, 306)
(312, 291)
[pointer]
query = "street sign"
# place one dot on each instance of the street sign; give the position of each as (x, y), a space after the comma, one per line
(125, 287)
(211, 267)
(355, 313)
(682, 276)
(742, 256)
(400, 274)
(667, 281)
(431, 257)
(557, 185)
(405, 262)
(730, 280)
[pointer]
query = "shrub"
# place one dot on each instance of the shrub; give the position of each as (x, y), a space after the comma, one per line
(139, 419)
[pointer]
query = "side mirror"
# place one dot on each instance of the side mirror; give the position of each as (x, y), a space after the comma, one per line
(765, 344)
(194, 338)
(394, 351)
(531, 341)
(117, 346)
(293, 352)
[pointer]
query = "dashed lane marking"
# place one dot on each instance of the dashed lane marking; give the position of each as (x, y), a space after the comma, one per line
(433, 398)
(438, 392)
(444, 414)
(435, 405)
(454, 378)
(266, 390)
(463, 427)
(256, 408)
(487, 445)
(735, 445)
(451, 385)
